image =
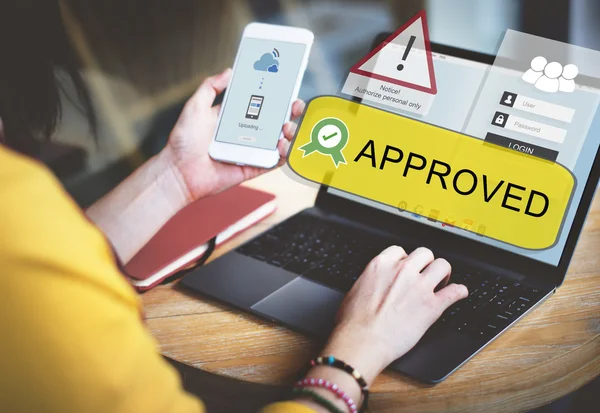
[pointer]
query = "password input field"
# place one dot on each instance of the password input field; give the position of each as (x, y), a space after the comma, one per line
(536, 129)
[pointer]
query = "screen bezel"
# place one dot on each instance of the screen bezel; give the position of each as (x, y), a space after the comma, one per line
(437, 238)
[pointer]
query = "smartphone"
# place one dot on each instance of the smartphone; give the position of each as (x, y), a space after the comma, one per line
(254, 107)
(267, 74)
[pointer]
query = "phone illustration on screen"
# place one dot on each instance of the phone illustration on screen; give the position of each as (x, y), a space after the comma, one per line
(254, 107)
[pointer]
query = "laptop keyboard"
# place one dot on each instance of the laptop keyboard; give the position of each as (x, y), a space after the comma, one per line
(335, 256)
(323, 251)
(494, 302)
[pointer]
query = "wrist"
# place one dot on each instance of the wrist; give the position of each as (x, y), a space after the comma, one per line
(132, 213)
(342, 380)
(171, 180)
(354, 351)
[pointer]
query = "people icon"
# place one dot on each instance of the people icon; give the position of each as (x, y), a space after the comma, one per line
(508, 100)
(536, 70)
(567, 80)
(550, 77)
(548, 82)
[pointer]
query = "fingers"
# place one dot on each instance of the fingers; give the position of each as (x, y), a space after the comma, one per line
(289, 130)
(419, 258)
(298, 109)
(386, 265)
(451, 294)
(437, 272)
(394, 252)
(284, 147)
(210, 88)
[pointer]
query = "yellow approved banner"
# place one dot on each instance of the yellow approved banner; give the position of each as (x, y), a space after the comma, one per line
(442, 175)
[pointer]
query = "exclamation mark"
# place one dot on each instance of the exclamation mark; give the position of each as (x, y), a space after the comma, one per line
(406, 52)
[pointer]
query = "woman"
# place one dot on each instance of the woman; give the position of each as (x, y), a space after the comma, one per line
(73, 338)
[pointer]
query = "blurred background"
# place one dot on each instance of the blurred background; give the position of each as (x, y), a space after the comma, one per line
(142, 59)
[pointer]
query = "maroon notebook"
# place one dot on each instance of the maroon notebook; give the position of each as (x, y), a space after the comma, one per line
(184, 239)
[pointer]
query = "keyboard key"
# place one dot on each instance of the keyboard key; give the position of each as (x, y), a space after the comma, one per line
(503, 318)
(277, 262)
(488, 330)
(299, 266)
(466, 326)
(259, 257)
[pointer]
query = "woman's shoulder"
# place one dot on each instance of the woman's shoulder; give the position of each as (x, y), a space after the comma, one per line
(29, 192)
(15, 167)
(42, 224)
(24, 180)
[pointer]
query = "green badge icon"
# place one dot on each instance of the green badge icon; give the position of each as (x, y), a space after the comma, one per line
(328, 137)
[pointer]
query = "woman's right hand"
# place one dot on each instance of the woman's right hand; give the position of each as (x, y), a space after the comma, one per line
(390, 307)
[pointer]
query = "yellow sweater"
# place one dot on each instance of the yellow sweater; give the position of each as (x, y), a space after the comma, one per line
(72, 338)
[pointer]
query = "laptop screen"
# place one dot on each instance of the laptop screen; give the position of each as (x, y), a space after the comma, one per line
(466, 103)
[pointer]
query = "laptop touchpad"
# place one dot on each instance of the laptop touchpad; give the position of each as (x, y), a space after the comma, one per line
(303, 305)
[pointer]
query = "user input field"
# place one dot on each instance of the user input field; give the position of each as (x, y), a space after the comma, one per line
(542, 108)
(538, 107)
(536, 129)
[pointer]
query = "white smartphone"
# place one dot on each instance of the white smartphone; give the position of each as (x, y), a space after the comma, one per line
(267, 74)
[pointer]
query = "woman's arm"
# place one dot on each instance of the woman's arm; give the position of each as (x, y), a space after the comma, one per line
(181, 173)
(135, 210)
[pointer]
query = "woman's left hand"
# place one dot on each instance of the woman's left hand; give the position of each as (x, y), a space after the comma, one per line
(187, 149)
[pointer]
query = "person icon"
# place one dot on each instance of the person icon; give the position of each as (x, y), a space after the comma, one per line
(538, 64)
(548, 82)
(508, 99)
(567, 80)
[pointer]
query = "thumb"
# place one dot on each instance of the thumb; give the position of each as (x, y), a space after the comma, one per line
(450, 294)
(211, 87)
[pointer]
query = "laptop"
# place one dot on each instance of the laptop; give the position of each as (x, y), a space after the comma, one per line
(296, 273)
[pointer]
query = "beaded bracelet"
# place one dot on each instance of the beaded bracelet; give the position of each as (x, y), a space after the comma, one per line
(317, 398)
(334, 388)
(339, 364)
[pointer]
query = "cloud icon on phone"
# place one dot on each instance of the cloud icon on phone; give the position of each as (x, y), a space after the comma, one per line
(267, 63)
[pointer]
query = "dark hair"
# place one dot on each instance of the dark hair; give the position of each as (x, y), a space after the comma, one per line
(33, 45)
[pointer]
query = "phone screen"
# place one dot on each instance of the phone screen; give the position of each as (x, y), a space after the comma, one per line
(260, 92)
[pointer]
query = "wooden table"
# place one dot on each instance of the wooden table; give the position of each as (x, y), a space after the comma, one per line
(233, 357)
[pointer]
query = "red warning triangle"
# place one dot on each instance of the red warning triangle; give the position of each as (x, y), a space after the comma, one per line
(389, 62)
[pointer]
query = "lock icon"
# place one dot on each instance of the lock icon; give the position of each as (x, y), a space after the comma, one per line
(500, 119)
